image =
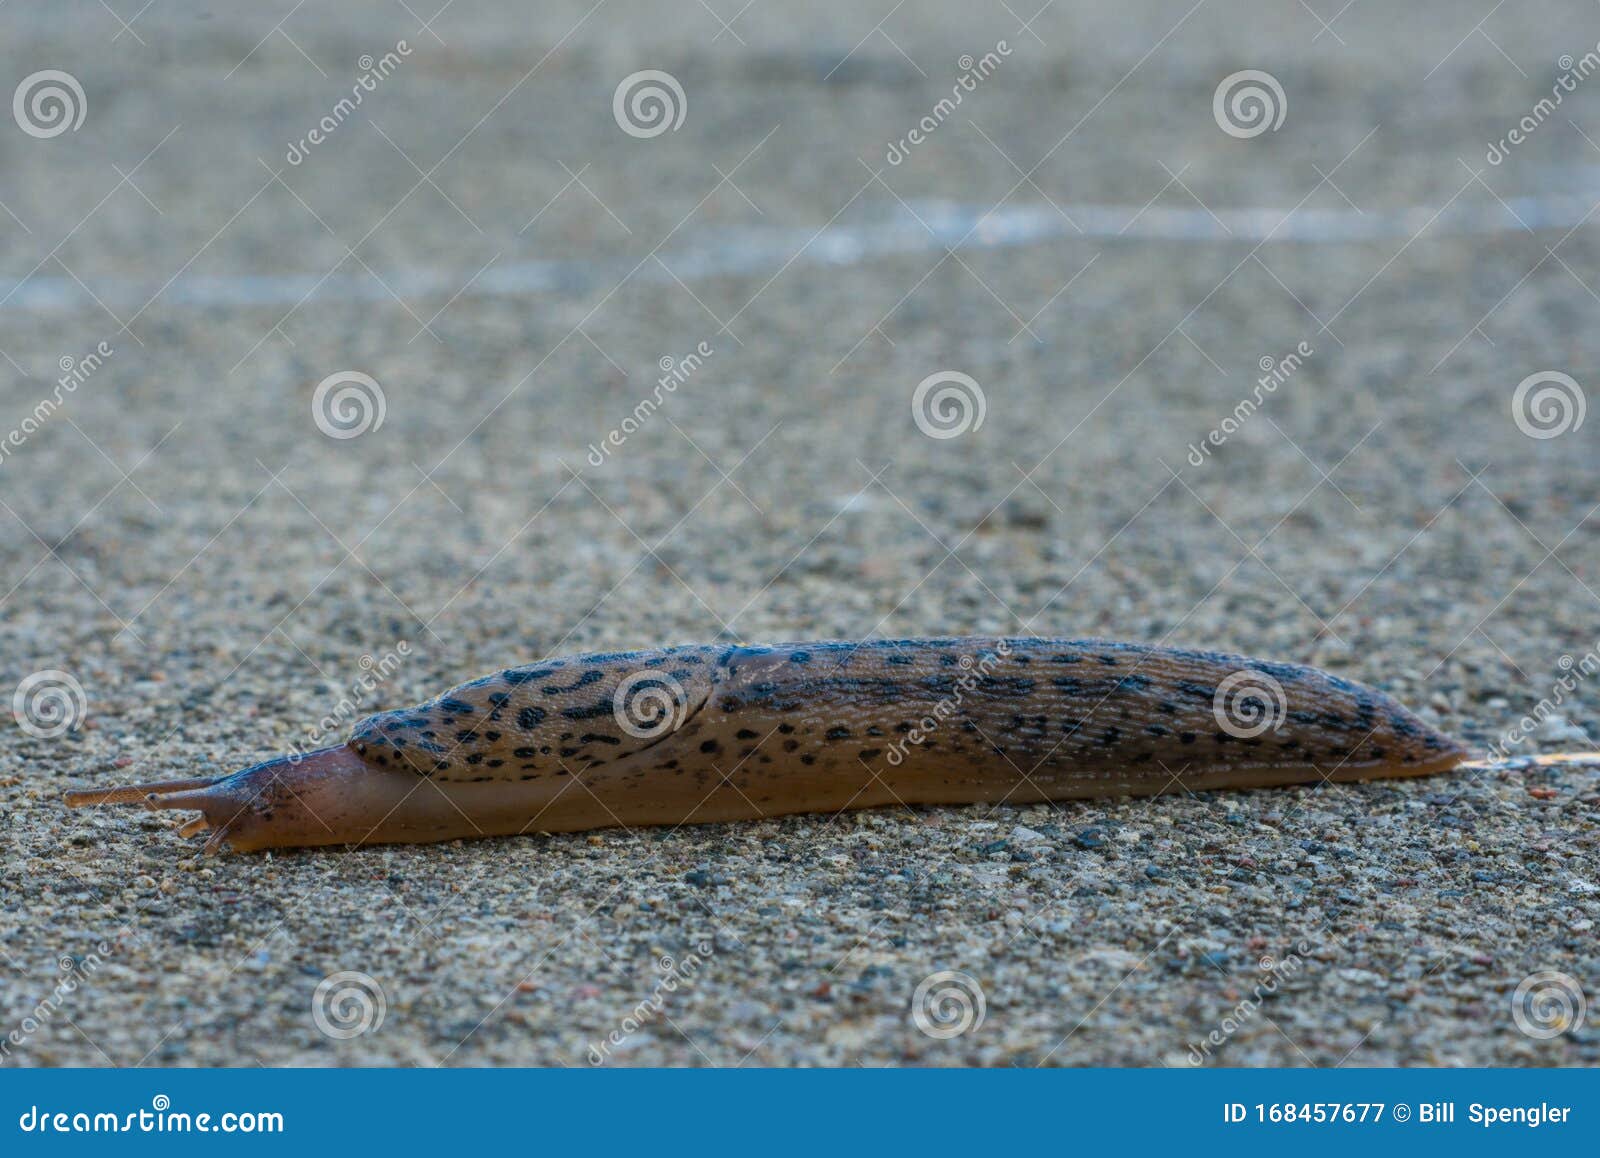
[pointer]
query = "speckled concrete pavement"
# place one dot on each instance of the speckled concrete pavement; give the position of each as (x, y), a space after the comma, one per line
(482, 239)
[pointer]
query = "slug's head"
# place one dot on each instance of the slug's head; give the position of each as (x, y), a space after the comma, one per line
(329, 796)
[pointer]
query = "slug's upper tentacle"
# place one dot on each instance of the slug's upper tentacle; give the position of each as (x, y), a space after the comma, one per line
(134, 793)
(695, 734)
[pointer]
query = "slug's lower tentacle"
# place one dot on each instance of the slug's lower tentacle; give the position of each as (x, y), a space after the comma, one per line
(699, 734)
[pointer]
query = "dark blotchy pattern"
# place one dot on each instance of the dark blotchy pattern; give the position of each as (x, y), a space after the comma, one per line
(929, 718)
(552, 718)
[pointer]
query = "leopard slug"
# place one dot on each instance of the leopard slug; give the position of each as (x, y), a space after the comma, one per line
(696, 734)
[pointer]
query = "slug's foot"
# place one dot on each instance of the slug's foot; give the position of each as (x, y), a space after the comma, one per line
(269, 805)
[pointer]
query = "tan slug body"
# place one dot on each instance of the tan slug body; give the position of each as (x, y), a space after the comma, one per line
(687, 735)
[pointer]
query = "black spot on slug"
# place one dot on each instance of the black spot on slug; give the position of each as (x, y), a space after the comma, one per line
(593, 675)
(522, 675)
(593, 711)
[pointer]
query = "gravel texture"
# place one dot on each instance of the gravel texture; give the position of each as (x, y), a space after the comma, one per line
(182, 540)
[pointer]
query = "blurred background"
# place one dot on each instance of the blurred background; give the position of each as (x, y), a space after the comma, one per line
(505, 332)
